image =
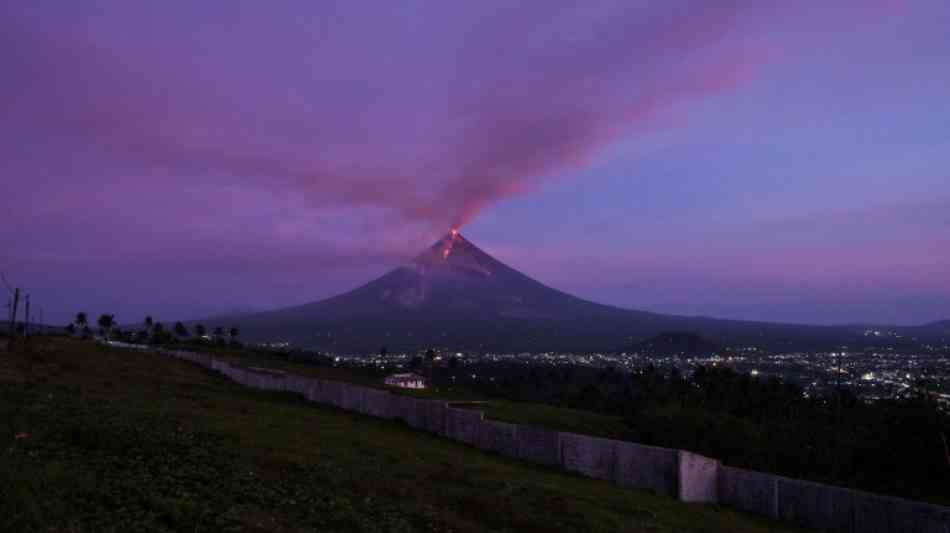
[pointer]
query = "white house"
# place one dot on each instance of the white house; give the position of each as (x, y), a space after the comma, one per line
(406, 381)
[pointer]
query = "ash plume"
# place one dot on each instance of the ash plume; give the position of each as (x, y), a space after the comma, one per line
(425, 111)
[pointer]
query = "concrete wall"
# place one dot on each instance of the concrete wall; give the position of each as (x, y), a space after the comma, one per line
(687, 476)
(498, 437)
(463, 425)
(315, 394)
(239, 375)
(435, 413)
(880, 514)
(377, 403)
(401, 407)
(814, 505)
(647, 467)
(415, 414)
(749, 491)
(538, 446)
(331, 393)
(698, 478)
(351, 398)
(266, 380)
(825, 507)
(589, 456)
(297, 384)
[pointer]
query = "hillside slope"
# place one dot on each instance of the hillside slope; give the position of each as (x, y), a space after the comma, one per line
(103, 440)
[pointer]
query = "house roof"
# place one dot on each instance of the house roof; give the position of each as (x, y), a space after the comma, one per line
(405, 377)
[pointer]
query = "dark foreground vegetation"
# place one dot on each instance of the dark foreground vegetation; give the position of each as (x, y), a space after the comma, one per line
(93, 439)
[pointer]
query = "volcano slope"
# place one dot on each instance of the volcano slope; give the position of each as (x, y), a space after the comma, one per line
(457, 297)
(101, 440)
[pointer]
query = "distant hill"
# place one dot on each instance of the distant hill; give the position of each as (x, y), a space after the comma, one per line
(933, 332)
(678, 343)
(457, 297)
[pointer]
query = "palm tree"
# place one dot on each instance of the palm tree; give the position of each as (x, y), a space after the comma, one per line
(180, 329)
(81, 320)
(158, 333)
(106, 322)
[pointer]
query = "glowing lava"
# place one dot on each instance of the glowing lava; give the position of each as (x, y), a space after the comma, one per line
(449, 243)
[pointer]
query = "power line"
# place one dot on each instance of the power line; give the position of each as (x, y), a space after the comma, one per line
(5, 282)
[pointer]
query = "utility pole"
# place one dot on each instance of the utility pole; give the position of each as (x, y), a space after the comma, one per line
(26, 317)
(16, 301)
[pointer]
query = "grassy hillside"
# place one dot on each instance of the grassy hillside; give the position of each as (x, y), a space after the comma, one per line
(103, 440)
(534, 414)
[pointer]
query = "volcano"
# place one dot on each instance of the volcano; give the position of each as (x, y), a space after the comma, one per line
(455, 296)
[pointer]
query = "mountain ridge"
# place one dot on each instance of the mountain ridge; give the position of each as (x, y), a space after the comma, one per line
(455, 296)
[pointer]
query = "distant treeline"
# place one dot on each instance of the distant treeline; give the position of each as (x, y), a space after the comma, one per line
(151, 331)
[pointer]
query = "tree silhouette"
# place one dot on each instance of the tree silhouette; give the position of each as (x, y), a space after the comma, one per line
(106, 322)
(81, 320)
(200, 330)
(180, 329)
(233, 333)
(147, 327)
(158, 333)
(71, 328)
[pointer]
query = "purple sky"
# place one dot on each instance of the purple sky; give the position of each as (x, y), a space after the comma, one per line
(727, 158)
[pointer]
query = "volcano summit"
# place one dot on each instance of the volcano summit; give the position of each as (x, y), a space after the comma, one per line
(457, 297)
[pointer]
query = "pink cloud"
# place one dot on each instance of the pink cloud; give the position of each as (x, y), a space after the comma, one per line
(383, 117)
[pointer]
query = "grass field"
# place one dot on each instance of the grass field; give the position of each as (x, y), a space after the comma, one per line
(94, 439)
(534, 414)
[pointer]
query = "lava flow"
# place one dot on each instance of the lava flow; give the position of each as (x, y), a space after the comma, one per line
(450, 242)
